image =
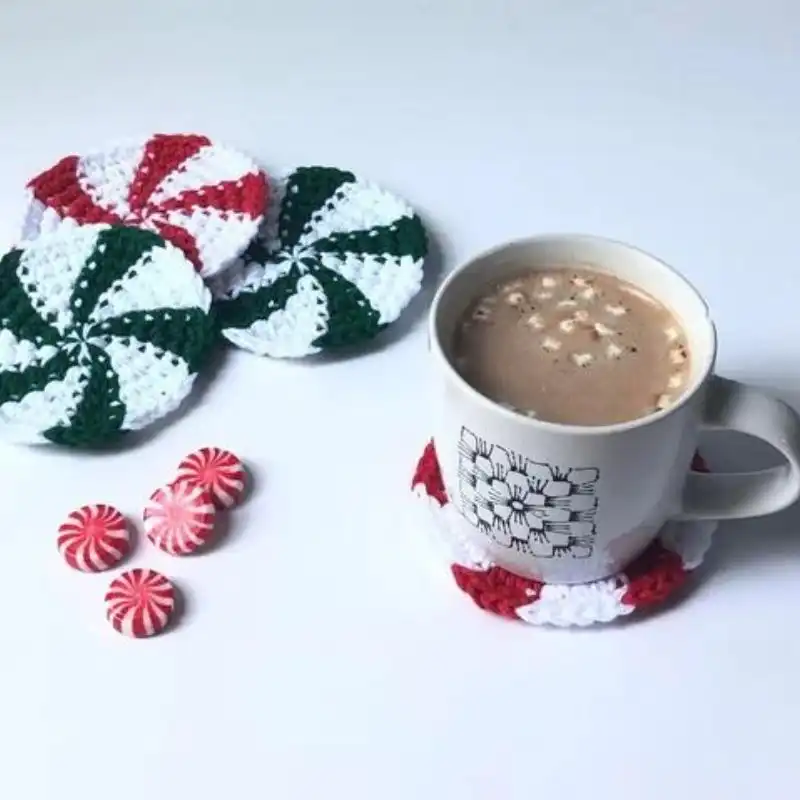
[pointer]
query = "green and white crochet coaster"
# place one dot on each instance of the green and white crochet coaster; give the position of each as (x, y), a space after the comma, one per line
(336, 261)
(102, 330)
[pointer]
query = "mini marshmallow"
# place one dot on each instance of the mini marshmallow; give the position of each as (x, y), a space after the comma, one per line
(515, 298)
(512, 285)
(578, 281)
(614, 350)
(549, 281)
(617, 311)
(603, 330)
(543, 295)
(582, 315)
(566, 303)
(535, 321)
(589, 293)
(582, 359)
(567, 325)
(678, 355)
(672, 334)
(664, 401)
(675, 381)
(551, 344)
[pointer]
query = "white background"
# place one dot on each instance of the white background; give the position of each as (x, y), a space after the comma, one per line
(324, 652)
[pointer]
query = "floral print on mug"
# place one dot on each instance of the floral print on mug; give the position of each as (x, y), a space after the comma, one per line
(540, 509)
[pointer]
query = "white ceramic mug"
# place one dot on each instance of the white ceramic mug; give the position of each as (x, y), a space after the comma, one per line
(568, 503)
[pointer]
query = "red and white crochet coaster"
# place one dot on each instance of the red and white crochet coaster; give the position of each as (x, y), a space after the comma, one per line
(656, 575)
(206, 199)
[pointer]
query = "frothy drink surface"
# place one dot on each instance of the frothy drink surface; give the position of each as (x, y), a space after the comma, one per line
(573, 346)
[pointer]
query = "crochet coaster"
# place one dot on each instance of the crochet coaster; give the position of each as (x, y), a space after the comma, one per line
(204, 198)
(655, 576)
(102, 330)
(336, 261)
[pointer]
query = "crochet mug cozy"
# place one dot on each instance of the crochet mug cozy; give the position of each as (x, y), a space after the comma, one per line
(337, 260)
(102, 330)
(206, 199)
(656, 575)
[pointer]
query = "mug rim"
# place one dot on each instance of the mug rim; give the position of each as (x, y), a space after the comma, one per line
(492, 406)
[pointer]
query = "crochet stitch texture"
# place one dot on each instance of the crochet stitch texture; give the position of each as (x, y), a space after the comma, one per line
(206, 199)
(336, 261)
(102, 330)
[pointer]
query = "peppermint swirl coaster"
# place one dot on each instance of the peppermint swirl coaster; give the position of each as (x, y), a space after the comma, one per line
(102, 330)
(206, 199)
(647, 583)
(337, 260)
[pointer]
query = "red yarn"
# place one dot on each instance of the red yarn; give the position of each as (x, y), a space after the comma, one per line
(58, 188)
(245, 196)
(653, 577)
(429, 475)
(163, 153)
(181, 238)
(496, 589)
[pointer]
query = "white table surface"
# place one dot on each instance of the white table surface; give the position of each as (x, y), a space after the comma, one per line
(324, 652)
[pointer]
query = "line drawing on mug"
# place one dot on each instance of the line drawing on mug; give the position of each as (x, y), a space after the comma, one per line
(539, 509)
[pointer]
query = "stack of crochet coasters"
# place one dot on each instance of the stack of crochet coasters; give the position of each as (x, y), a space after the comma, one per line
(337, 260)
(105, 319)
(134, 259)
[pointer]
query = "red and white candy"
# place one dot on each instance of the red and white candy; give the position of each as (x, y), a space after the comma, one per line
(179, 517)
(94, 538)
(219, 471)
(140, 603)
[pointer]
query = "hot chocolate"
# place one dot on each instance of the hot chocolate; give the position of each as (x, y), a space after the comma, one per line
(573, 346)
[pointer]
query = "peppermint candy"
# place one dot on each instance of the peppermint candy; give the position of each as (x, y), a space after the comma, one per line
(94, 538)
(102, 330)
(140, 603)
(647, 583)
(336, 261)
(179, 517)
(206, 199)
(218, 471)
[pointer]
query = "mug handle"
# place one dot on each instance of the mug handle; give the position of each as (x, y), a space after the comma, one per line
(738, 407)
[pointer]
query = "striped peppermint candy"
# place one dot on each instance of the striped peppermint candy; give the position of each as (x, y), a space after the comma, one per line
(102, 330)
(140, 603)
(336, 261)
(656, 575)
(94, 538)
(205, 198)
(219, 471)
(179, 517)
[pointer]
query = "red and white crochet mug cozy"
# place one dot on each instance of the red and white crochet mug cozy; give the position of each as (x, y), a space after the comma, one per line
(648, 582)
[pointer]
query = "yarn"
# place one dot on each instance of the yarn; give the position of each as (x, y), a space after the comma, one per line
(102, 330)
(206, 199)
(336, 261)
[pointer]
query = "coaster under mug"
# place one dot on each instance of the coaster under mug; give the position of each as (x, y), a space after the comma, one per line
(656, 576)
